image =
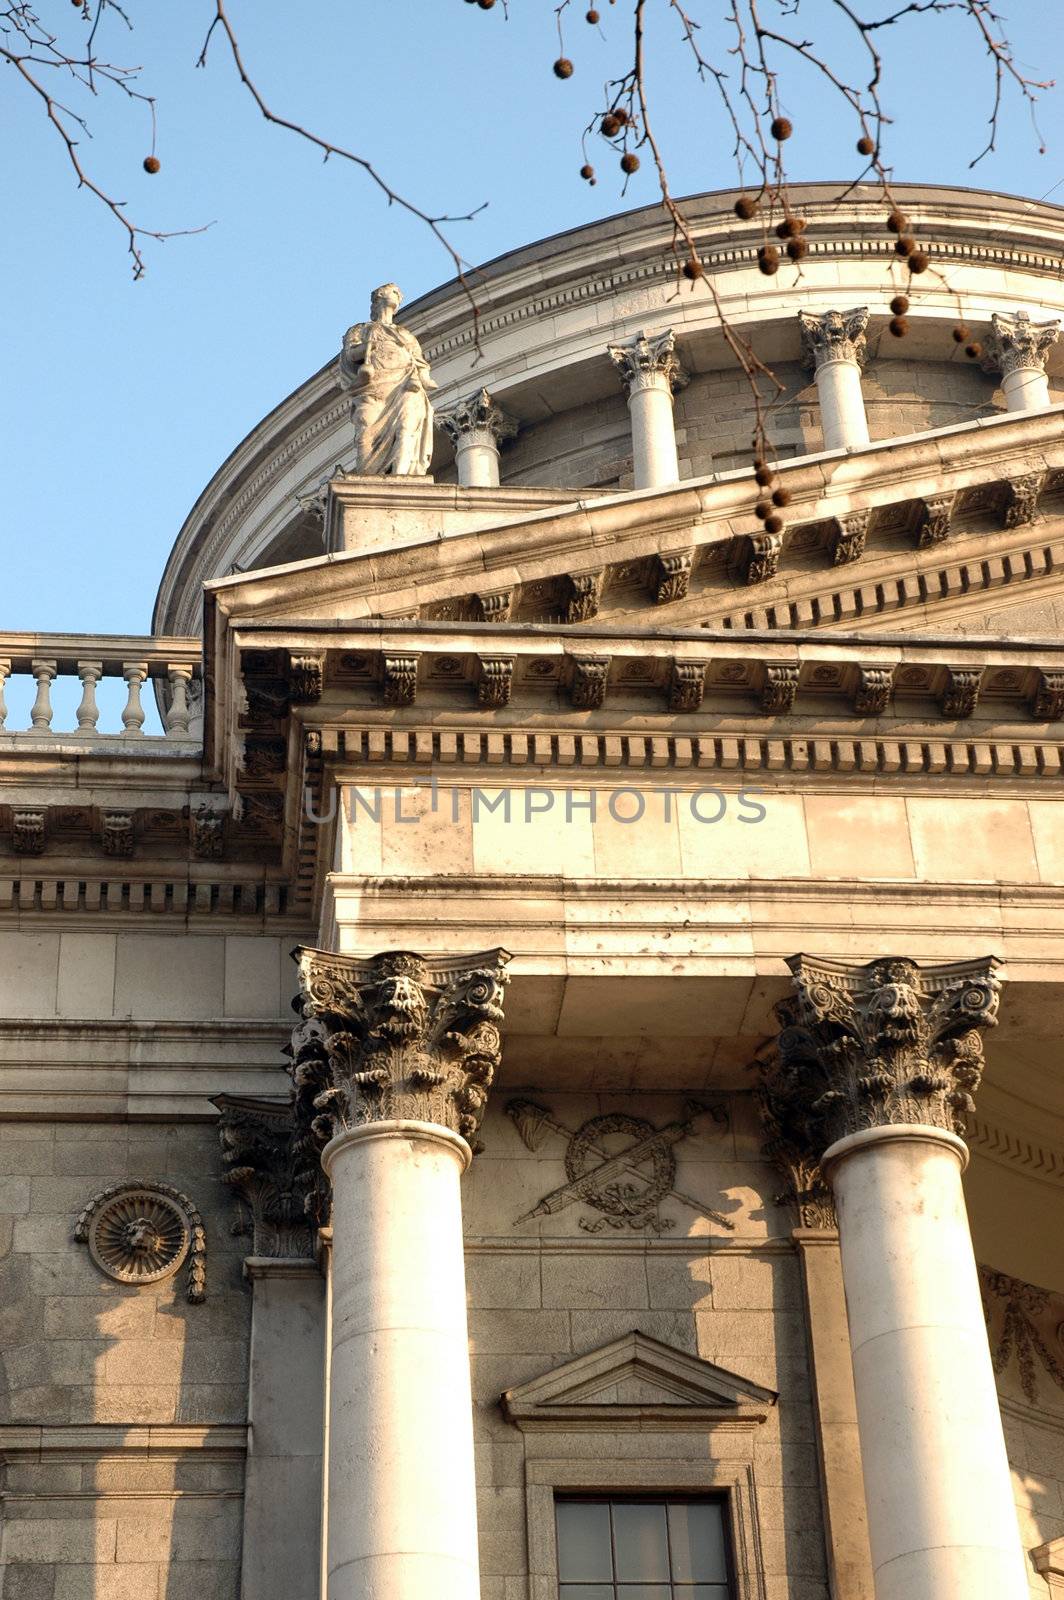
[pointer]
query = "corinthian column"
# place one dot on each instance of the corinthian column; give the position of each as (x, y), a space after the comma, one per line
(1017, 348)
(650, 371)
(397, 1054)
(833, 348)
(476, 427)
(876, 1069)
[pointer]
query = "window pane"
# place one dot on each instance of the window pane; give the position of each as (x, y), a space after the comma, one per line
(698, 1591)
(696, 1537)
(588, 1591)
(640, 1543)
(644, 1591)
(584, 1542)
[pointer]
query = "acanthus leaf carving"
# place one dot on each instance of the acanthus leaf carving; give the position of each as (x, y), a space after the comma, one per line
(832, 336)
(266, 1163)
(875, 689)
(116, 833)
(649, 362)
(763, 556)
(1021, 498)
(780, 688)
(935, 519)
(884, 1044)
(687, 685)
(585, 593)
(398, 1037)
(496, 680)
(590, 679)
(672, 576)
(400, 680)
(496, 605)
(306, 678)
(1015, 343)
(961, 694)
(27, 832)
(851, 533)
(1048, 702)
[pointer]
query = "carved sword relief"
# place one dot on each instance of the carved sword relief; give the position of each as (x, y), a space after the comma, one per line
(621, 1166)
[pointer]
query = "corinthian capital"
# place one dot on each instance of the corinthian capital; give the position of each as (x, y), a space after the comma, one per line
(469, 420)
(1017, 344)
(878, 1045)
(273, 1168)
(833, 336)
(399, 1037)
(649, 362)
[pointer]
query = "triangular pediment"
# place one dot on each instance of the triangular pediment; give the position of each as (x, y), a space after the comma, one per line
(637, 1381)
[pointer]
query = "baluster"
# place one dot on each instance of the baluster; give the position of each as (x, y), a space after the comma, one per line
(41, 710)
(177, 718)
(5, 673)
(90, 673)
(134, 673)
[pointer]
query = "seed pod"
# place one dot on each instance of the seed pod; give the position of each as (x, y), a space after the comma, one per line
(866, 146)
(587, 171)
(768, 259)
(763, 510)
(610, 125)
(774, 524)
(974, 350)
(762, 475)
(745, 208)
(621, 114)
(629, 162)
(919, 262)
(151, 164)
(592, 17)
(563, 67)
(960, 333)
(760, 464)
(781, 497)
(797, 248)
(897, 222)
(693, 268)
(899, 327)
(900, 304)
(781, 129)
(905, 245)
(485, 5)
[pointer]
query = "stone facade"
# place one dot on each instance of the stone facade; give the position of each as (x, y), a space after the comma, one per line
(677, 910)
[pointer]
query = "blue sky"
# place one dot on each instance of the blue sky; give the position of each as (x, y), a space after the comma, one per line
(120, 399)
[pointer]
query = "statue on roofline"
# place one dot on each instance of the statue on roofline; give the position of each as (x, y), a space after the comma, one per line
(390, 383)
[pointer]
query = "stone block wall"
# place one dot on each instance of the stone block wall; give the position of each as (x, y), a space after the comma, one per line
(121, 1408)
(546, 1289)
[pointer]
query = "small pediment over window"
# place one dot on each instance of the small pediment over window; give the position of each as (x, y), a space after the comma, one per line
(639, 1383)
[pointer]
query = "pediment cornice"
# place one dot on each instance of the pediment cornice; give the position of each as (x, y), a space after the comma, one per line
(897, 525)
(637, 1382)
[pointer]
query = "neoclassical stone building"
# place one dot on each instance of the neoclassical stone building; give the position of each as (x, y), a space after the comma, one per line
(646, 1181)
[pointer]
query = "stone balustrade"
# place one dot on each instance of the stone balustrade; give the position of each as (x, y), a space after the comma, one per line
(172, 666)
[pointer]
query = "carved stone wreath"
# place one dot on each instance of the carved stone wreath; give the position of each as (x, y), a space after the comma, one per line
(140, 1233)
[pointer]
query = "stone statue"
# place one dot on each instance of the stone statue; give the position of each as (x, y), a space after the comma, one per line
(389, 377)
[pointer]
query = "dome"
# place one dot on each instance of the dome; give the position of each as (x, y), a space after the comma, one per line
(547, 311)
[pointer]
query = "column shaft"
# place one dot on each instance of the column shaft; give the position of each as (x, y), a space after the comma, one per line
(1026, 389)
(941, 1519)
(476, 457)
(842, 410)
(655, 461)
(402, 1496)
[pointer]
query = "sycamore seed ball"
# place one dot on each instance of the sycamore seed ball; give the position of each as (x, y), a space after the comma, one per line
(151, 164)
(563, 67)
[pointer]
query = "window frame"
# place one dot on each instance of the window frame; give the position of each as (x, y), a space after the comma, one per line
(659, 1497)
(731, 1481)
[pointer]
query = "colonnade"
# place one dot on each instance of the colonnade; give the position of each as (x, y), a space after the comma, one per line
(833, 348)
(875, 1067)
